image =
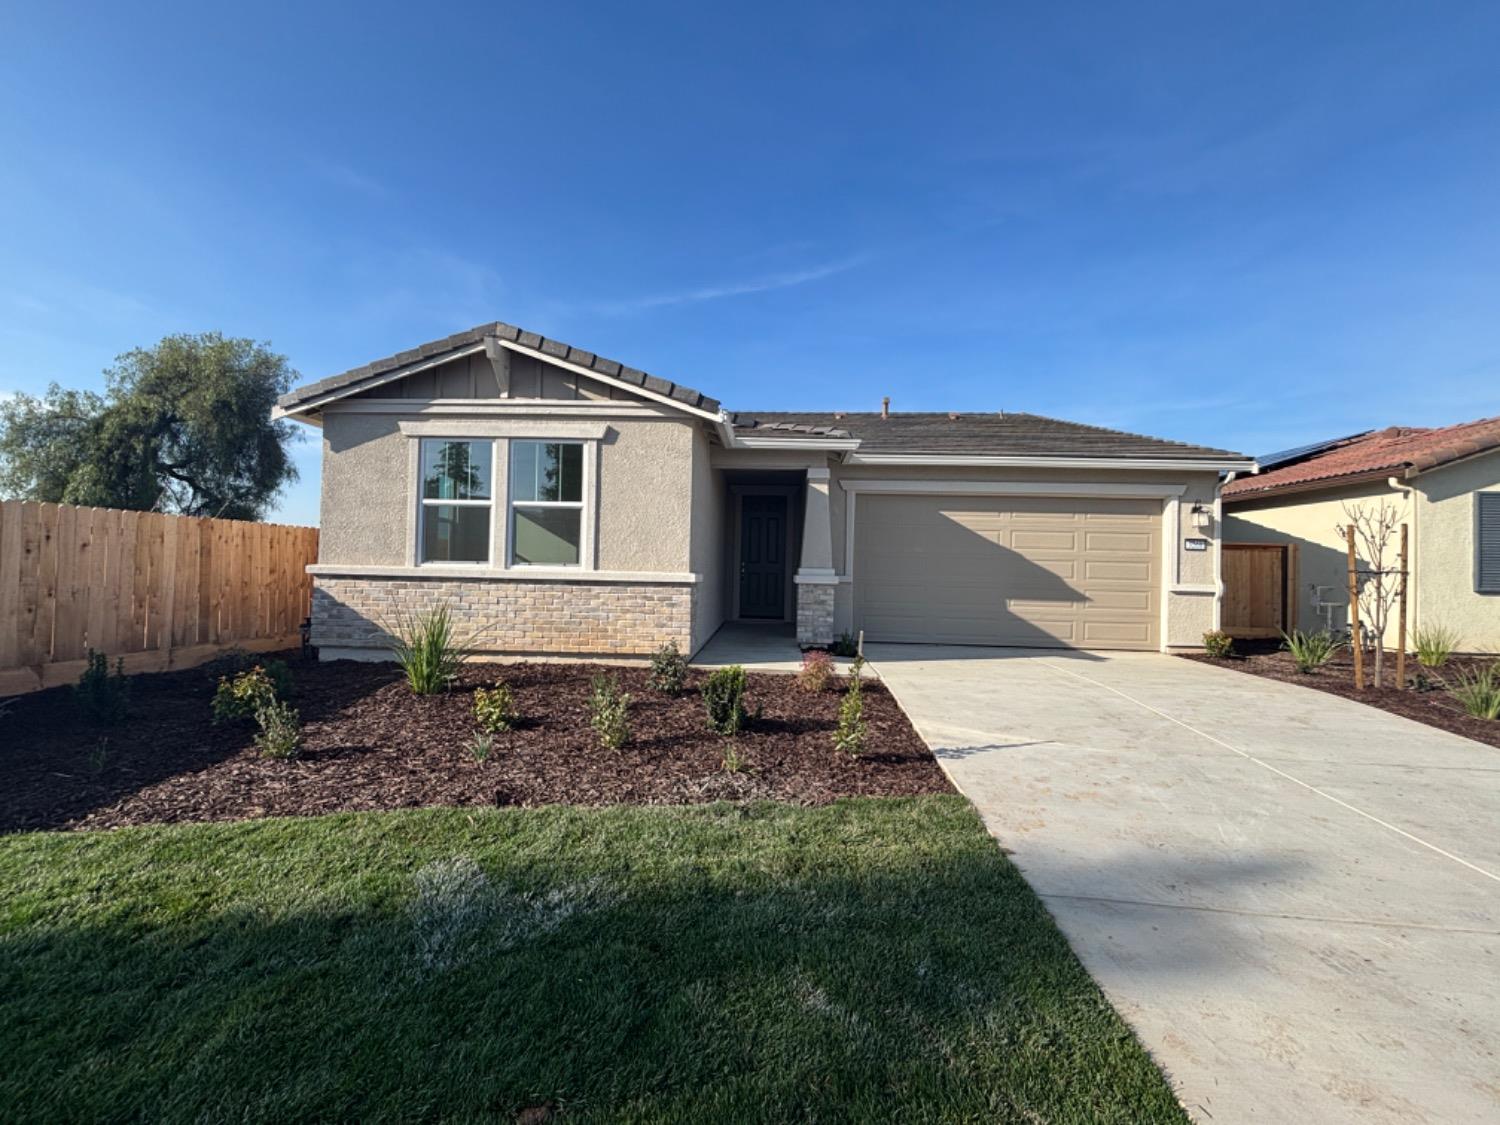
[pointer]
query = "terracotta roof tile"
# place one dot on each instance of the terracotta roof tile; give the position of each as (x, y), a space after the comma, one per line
(1389, 452)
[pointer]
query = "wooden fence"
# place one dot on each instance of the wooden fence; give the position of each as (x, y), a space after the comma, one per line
(160, 591)
(1260, 589)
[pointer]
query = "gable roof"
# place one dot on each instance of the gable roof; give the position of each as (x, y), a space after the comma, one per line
(377, 371)
(986, 435)
(1395, 451)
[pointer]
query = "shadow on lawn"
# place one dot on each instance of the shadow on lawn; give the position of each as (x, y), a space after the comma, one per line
(476, 984)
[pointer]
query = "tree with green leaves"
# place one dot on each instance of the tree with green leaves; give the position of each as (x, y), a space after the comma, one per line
(184, 427)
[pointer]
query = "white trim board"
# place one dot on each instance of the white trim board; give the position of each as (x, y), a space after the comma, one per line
(1110, 463)
(477, 573)
(1103, 490)
(621, 384)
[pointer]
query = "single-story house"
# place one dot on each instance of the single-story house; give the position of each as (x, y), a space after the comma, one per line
(1443, 483)
(565, 503)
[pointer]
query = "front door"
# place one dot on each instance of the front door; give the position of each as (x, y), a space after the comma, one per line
(763, 557)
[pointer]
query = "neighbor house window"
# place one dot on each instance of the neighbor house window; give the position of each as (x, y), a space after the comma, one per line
(456, 501)
(1487, 542)
(546, 503)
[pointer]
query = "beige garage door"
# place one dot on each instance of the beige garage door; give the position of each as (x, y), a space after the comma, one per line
(1053, 572)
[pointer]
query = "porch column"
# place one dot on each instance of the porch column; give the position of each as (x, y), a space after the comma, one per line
(815, 579)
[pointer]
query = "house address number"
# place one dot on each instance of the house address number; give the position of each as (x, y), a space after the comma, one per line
(1195, 544)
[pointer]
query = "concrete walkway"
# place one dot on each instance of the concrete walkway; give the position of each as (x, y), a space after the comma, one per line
(1293, 898)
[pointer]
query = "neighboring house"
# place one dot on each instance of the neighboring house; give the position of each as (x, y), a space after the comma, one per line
(564, 503)
(1445, 483)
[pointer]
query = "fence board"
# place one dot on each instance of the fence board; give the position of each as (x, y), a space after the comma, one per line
(1255, 589)
(161, 591)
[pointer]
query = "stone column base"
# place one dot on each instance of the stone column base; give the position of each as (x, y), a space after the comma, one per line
(815, 614)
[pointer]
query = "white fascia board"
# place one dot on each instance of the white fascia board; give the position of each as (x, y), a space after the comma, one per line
(631, 388)
(1112, 463)
(379, 380)
(829, 444)
(1143, 489)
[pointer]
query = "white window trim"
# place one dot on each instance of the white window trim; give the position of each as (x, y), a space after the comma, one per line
(589, 453)
(423, 503)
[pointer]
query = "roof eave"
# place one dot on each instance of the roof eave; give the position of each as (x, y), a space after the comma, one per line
(957, 460)
(1321, 483)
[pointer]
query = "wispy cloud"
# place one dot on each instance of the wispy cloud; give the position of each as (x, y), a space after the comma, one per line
(763, 284)
(350, 178)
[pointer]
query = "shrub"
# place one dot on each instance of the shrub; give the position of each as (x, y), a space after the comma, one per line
(733, 761)
(481, 746)
(846, 646)
(99, 756)
(724, 698)
(495, 708)
(850, 735)
(1434, 644)
(280, 730)
(1310, 651)
(609, 712)
(427, 651)
(668, 670)
(816, 671)
(103, 697)
(1218, 644)
(1477, 690)
(243, 696)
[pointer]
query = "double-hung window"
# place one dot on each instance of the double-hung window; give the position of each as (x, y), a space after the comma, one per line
(546, 503)
(457, 478)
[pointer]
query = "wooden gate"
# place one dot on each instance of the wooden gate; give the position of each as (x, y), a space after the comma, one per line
(1260, 589)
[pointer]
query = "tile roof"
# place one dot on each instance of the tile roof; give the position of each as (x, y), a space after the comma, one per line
(1001, 435)
(1393, 451)
(349, 381)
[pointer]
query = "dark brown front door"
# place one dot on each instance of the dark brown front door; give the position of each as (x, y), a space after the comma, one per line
(763, 556)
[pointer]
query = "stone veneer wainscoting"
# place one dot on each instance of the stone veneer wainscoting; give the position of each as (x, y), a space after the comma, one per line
(509, 615)
(814, 614)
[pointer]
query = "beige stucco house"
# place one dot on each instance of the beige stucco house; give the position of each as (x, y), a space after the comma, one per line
(565, 503)
(1444, 484)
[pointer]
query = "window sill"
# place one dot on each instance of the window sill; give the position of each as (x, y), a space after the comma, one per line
(476, 572)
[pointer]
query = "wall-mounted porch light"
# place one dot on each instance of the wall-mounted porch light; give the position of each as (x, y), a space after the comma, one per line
(1202, 517)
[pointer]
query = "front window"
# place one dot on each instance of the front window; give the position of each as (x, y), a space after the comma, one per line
(546, 503)
(456, 501)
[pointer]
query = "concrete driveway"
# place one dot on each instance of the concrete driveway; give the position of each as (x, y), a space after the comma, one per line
(1293, 898)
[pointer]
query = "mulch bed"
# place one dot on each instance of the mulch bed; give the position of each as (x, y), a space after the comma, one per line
(1425, 701)
(370, 744)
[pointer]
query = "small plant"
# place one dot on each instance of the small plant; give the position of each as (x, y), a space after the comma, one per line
(1434, 644)
(733, 761)
(244, 696)
(1310, 651)
(609, 712)
(99, 756)
(280, 730)
(846, 646)
(103, 697)
(481, 746)
(1218, 644)
(1477, 690)
(426, 648)
(495, 708)
(849, 738)
(668, 670)
(816, 671)
(724, 697)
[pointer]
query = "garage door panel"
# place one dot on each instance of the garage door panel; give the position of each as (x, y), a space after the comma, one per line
(1008, 570)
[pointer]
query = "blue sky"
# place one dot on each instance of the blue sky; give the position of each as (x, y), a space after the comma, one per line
(1249, 225)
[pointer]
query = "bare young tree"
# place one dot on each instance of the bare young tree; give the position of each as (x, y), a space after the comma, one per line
(1377, 571)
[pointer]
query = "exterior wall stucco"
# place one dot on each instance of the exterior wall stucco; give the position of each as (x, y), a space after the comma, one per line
(1188, 614)
(1310, 520)
(1445, 511)
(710, 542)
(642, 509)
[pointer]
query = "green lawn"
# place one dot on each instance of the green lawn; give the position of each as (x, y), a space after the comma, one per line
(871, 960)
